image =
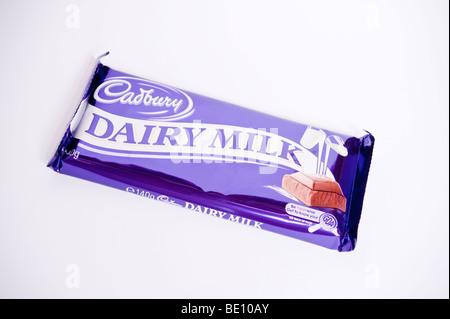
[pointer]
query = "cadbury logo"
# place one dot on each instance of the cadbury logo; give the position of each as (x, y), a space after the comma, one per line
(152, 100)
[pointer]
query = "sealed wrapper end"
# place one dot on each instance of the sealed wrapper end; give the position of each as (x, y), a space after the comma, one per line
(218, 159)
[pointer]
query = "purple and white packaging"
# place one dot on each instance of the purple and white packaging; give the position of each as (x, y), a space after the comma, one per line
(217, 158)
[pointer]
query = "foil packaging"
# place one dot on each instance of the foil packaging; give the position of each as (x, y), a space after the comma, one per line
(217, 158)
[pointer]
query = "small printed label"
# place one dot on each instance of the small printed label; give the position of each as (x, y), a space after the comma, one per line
(168, 200)
(328, 221)
(194, 207)
(74, 153)
(323, 220)
(223, 215)
(303, 212)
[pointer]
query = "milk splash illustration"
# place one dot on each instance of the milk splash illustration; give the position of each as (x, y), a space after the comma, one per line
(313, 137)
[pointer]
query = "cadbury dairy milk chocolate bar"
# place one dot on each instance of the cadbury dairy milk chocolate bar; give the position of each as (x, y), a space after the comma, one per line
(217, 158)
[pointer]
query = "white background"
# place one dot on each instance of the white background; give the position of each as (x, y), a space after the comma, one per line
(378, 65)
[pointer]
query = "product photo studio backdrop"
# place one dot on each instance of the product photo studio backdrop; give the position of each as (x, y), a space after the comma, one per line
(343, 66)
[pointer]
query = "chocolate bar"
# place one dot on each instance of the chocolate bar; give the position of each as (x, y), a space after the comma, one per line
(219, 159)
(315, 190)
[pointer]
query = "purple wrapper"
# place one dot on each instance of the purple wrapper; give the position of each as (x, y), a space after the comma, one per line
(217, 158)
